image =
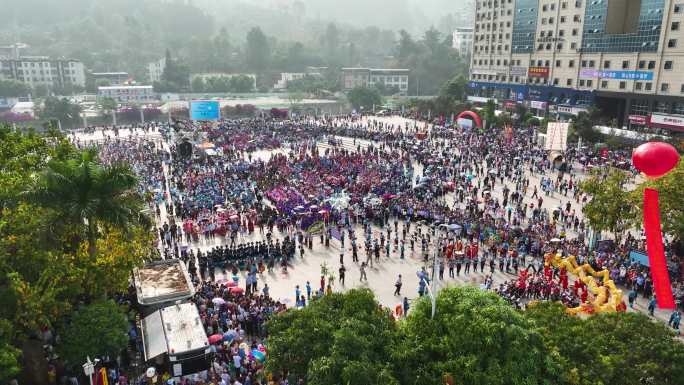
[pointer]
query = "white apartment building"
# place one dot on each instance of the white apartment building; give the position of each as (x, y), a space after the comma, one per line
(43, 71)
(369, 77)
(462, 41)
(155, 70)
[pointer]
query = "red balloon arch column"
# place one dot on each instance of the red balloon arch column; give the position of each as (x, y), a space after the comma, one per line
(656, 159)
(472, 115)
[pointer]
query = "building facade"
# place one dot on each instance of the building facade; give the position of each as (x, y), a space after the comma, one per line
(369, 77)
(561, 56)
(462, 41)
(128, 94)
(43, 71)
(155, 70)
(114, 78)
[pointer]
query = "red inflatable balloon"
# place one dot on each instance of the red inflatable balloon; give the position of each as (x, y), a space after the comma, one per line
(655, 159)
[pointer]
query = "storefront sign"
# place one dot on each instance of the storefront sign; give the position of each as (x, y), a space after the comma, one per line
(570, 110)
(669, 121)
(479, 99)
(509, 104)
(538, 72)
(617, 75)
(538, 105)
(638, 119)
(518, 71)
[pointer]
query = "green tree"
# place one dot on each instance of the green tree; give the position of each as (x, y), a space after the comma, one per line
(12, 88)
(241, 83)
(475, 337)
(455, 88)
(176, 76)
(109, 106)
(257, 51)
(197, 84)
(363, 97)
(489, 114)
(9, 355)
(611, 207)
(337, 339)
(88, 194)
(96, 330)
(62, 110)
(609, 348)
(584, 126)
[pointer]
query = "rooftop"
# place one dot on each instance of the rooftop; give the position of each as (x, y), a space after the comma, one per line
(162, 281)
(174, 329)
(123, 87)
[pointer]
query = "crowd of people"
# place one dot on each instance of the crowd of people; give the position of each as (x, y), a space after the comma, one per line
(477, 203)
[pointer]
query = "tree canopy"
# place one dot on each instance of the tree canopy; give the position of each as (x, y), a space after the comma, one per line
(364, 97)
(612, 207)
(340, 338)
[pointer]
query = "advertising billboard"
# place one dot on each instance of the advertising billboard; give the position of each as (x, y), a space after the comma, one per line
(205, 110)
(617, 75)
(556, 136)
(538, 72)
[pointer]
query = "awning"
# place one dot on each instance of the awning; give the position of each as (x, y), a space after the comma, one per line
(154, 340)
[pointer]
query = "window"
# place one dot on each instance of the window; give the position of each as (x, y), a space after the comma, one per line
(573, 45)
(562, 19)
(544, 8)
(571, 63)
(568, 82)
(584, 63)
(668, 65)
(664, 87)
(681, 90)
(589, 83)
(625, 64)
(591, 64)
(637, 86)
(606, 64)
(674, 26)
(574, 32)
(651, 64)
(581, 82)
(672, 43)
(561, 33)
(555, 81)
(678, 8)
(576, 18)
(623, 85)
(604, 83)
(649, 86)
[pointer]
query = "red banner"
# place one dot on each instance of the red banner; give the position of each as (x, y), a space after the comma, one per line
(656, 254)
(538, 72)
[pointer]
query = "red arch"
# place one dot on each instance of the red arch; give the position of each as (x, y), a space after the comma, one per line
(472, 116)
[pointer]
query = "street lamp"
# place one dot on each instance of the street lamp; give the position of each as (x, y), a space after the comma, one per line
(89, 370)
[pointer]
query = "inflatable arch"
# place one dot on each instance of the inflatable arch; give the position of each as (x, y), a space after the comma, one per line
(471, 115)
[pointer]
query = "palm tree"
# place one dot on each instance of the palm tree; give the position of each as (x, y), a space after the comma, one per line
(86, 194)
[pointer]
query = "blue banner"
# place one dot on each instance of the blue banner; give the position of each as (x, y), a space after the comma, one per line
(205, 110)
(617, 75)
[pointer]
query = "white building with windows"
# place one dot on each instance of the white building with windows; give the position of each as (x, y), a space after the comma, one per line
(369, 77)
(43, 71)
(155, 70)
(462, 41)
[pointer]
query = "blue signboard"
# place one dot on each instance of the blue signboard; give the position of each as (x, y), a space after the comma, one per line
(205, 110)
(637, 256)
(617, 75)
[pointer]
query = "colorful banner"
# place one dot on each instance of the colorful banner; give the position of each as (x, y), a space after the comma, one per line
(617, 75)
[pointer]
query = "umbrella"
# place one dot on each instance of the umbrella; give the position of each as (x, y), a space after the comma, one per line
(313, 207)
(322, 212)
(492, 171)
(150, 372)
(299, 208)
(236, 290)
(454, 227)
(555, 240)
(215, 338)
(218, 301)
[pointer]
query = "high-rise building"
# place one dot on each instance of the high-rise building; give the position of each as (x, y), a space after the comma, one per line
(155, 70)
(43, 71)
(462, 41)
(624, 56)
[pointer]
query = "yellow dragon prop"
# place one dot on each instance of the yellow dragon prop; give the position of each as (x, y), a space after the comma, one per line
(606, 297)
